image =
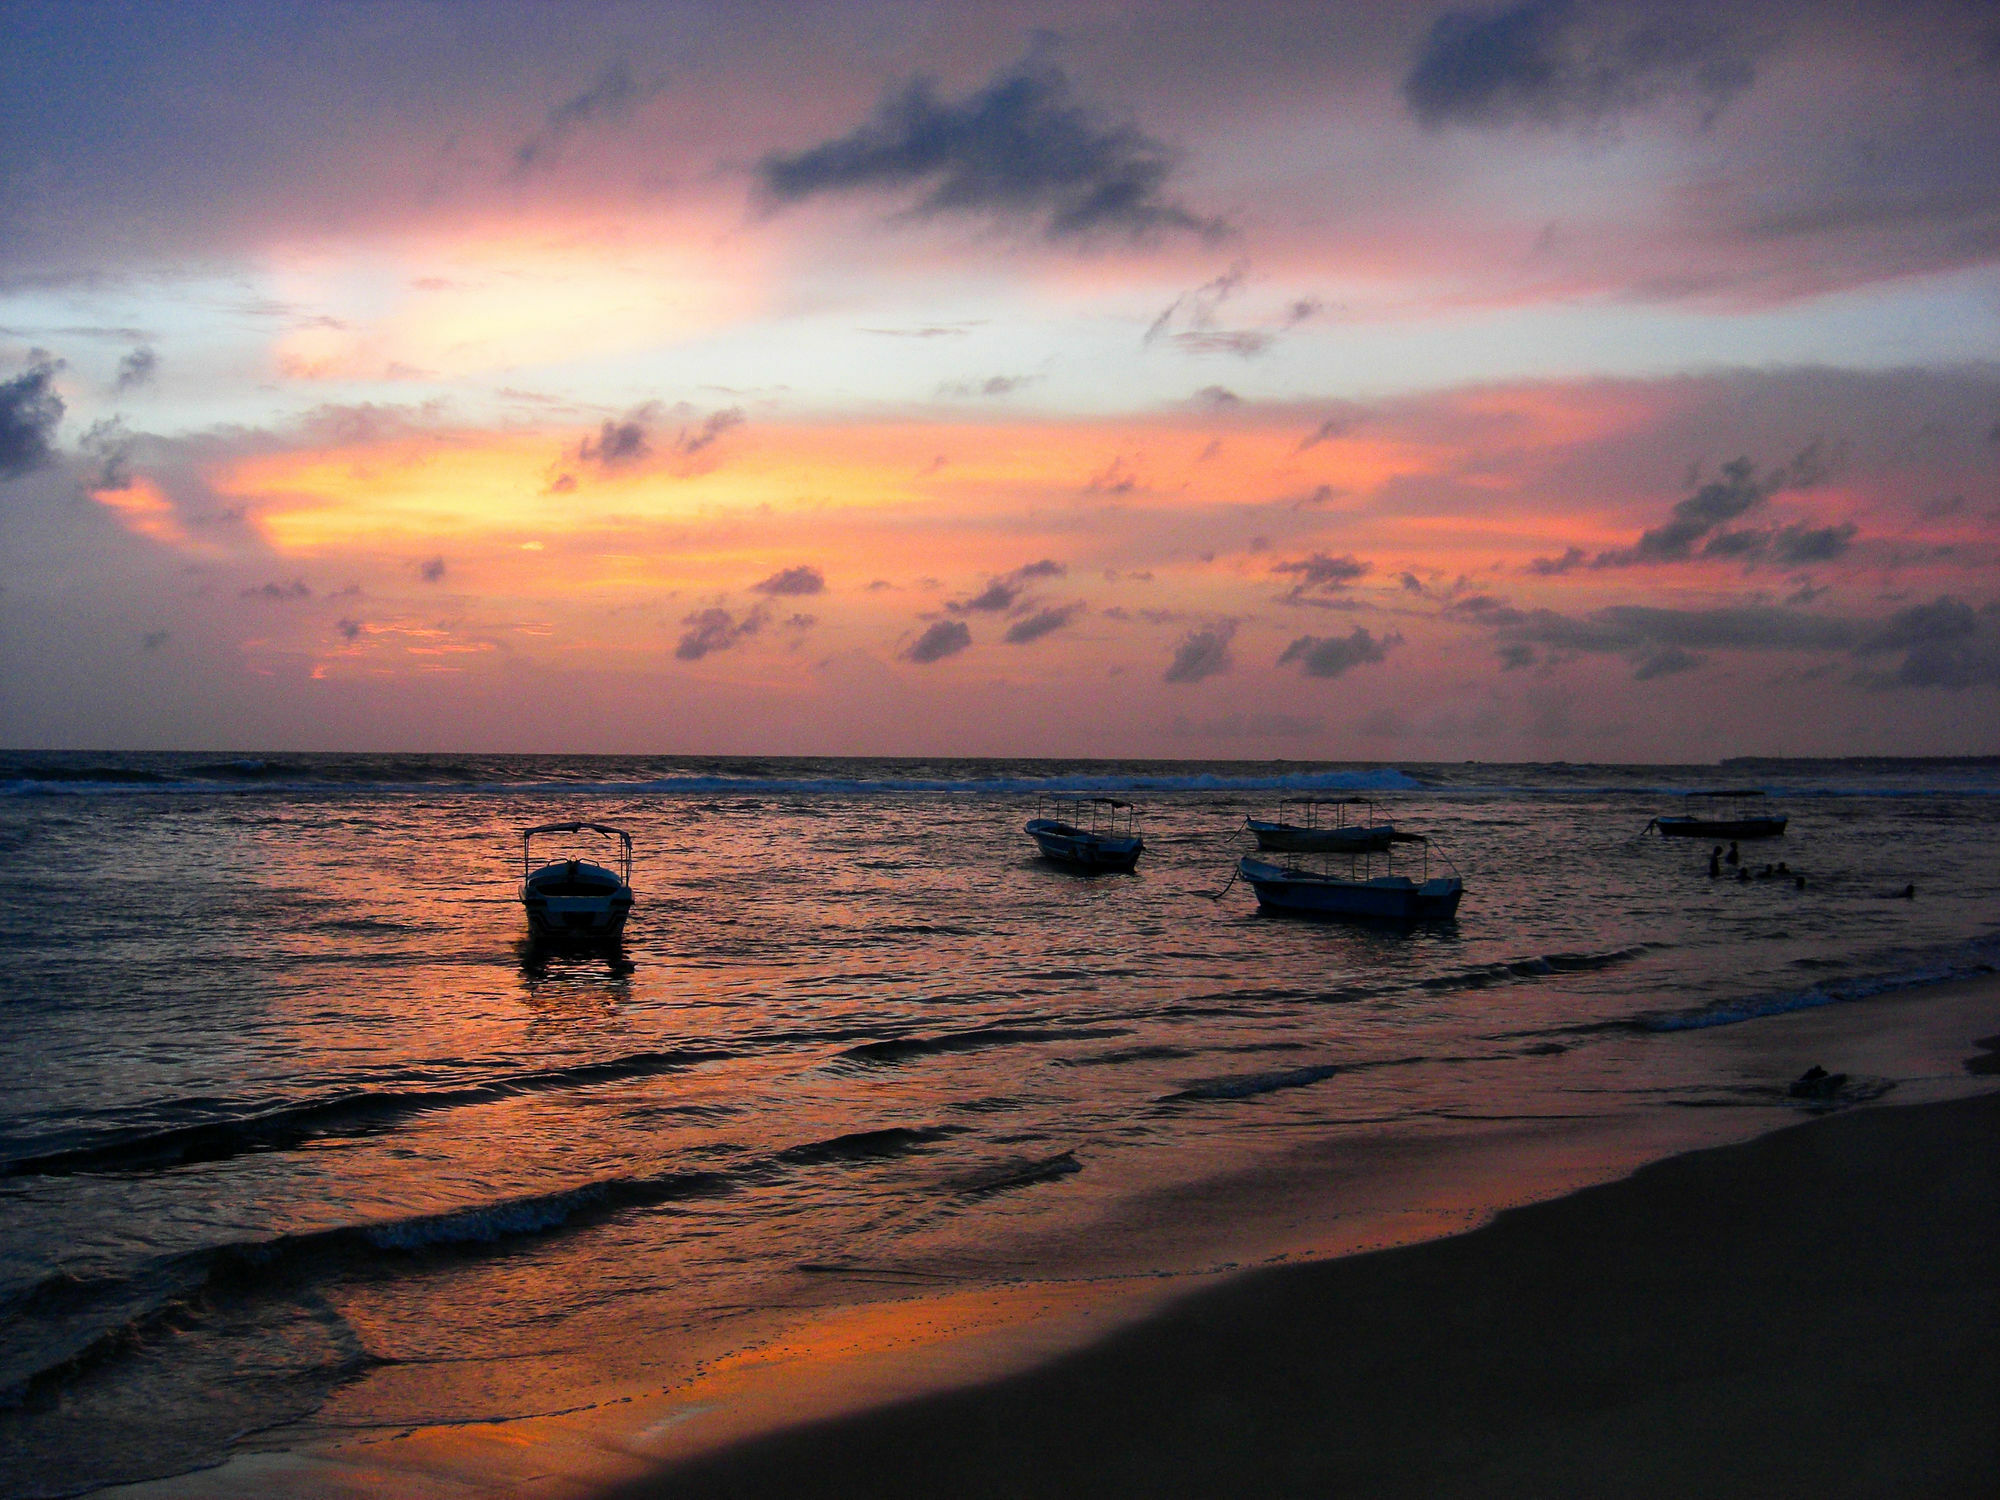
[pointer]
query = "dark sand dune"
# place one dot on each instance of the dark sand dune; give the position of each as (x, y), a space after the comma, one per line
(1816, 1313)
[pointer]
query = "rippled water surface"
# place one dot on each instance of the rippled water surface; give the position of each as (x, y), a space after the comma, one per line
(293, 1111)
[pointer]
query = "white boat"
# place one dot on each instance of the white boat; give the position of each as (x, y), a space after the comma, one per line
(1369, 888)
(1092, 833)
(1302, 828)
(1722, 814)
(571, 897)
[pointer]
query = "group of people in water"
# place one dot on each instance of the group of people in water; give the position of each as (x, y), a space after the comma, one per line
(1734, 858)
(1780, 871)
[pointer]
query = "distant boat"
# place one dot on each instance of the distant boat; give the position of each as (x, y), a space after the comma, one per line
(1367, 889)
(1722, 814)
(1091, 833)
(1309, 831)
(571, 898)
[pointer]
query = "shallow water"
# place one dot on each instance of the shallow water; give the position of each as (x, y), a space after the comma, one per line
(293, 1115)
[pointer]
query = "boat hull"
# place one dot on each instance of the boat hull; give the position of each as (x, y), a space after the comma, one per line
(1289, 838)
(1390, 898)
(573, 901)
(1720, 828)
(1083, 850)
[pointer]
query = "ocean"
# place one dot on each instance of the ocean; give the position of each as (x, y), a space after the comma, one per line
(300, 1136)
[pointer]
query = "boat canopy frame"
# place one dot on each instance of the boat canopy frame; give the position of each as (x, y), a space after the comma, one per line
(1311, 806)
(1361, 866)
(1097, 816)
(624, 856)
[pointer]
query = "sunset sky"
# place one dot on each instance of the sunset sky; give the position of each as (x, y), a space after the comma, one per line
(1367, 381)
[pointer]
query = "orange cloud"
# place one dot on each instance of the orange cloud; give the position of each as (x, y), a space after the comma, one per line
(143, 509)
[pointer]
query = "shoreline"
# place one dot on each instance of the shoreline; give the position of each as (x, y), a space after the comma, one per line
(848, 1365)
(1810, 1312)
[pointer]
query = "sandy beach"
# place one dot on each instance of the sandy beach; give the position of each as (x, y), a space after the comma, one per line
(1816, 1312)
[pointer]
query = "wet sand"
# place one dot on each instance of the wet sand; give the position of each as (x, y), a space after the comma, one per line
(1816, 1312)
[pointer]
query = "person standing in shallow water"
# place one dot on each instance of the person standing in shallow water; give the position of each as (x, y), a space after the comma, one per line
(1715, 862)
(1733, 857)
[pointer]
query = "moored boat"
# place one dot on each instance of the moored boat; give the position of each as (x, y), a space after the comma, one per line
(1722, 814)
(1309, 830)
(1368, 889)
(1090, 833)
(572, 898)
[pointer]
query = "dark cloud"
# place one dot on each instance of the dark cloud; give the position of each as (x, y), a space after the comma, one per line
(1574, 62)
(1791, 546)
(1320, 573)
(30, 412)
(1113, 479)
(710, 630)
(431, 570)
(617, 442)
(280, 593)
(1202, 653)
(1000, 593)
(945, 638)
(712, 427)
(997, 595)
(1641, 627)
(1336, 425)
(793, 582)
(152, 640)
(1572, 557)
(137, 368)
(1665, 663)
(1329, 656)
(1736, 489)
(1192, 322)
(349, 629)
(1217, 398)
(1042, 623)
(1515, 655)
(109, 445)
(1021, 147)
(609, 99)
(1244, 342)
(1947, 643)
(1487, 609)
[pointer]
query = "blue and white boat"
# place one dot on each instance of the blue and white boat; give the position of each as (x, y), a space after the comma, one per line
(572, 898)
(1348, 825)
(1368, 888)
(1722, 814)
(1090, 833)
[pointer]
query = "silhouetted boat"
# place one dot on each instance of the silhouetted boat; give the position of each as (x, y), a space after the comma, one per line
(573, 898)
(1309, 831)
(1369, 889)
(1722, 814)
(1092, 833)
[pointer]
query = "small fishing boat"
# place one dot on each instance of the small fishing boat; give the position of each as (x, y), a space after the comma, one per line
(571, 897)
(1722, 814)
(1092, 833)
(1369, 887)
(1350, 825)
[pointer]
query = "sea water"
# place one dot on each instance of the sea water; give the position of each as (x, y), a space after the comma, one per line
(300, 1134)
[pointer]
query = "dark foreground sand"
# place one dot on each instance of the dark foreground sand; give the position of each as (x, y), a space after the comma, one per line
(1816, 1313)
